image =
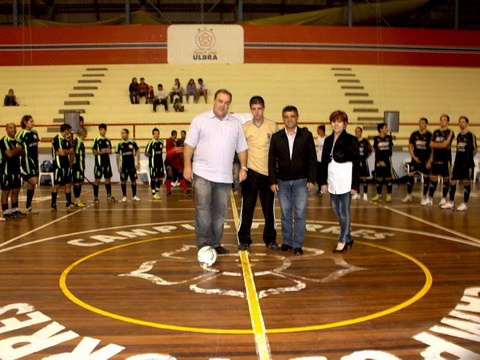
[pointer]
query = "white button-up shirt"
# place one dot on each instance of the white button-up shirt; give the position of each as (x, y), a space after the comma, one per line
(215, 142)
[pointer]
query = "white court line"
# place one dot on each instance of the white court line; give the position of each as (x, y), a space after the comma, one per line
(456, 233)
(41, 227)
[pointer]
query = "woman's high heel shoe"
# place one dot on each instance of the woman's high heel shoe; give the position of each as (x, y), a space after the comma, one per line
(345, 247)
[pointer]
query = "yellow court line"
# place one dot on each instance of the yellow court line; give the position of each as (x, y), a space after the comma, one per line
(256, 317)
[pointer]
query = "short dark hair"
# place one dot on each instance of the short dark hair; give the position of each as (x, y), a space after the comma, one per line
(339, 114)
(126, 130)
(257, 100)
(380, 126)
(359, 128)
(223, 91)
(464, 117)
(102, 126)
(173, 132)
(65, 127)
(321, 127)
(155, 129)
(160, 85)
(424, 119)
(183, 132)
(290, 108)
(445, 115)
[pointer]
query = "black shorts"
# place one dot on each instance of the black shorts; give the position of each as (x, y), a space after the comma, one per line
(421, 168)
(62, 176)
(363, 169)
(10, 181)
(103, 170)
(442, 169)
(462, 172)
(30, 168)
(128, 173)
(383, 169)
(78, 174)
(157, 172)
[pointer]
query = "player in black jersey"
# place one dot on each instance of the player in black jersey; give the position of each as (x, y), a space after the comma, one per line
(464, 165)
(383, 146)
(419, 148)
(364, 151)
(28, 138)
(10, 172)
(128, 161)
(440, 160)
(78, 166)
(154, 152)
(102, 148)
(62, 172)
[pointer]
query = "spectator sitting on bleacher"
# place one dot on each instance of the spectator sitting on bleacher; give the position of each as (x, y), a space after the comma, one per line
(178, 106)
(133, 90)
(191, 89)
(151, 94)
(143, 90)
(201, 90)
(177, 89)
(10, 99)
(161, 99)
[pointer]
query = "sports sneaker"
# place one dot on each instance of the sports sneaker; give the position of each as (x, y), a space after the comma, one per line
(388, 198)
(71, 206)
(428, 202)
(442, 202)
(79, 204)
(96, 201)
(7, 216)
(111, 199)
(462, 207)
(136, 198)
(377, 198)
(53, 208)
(423, 201)
(407, 198)
(356, 196)
(448, 205)
(124, 199)
(365, 197)
(18, 214)
(157, 196)
(31, 210)
(2, 219)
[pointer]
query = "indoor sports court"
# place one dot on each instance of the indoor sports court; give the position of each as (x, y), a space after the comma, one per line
(122, 280)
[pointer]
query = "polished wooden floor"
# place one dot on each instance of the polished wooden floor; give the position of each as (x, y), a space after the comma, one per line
(121, 281)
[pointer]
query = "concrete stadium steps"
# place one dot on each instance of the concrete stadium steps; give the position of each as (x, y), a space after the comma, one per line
(364, 92)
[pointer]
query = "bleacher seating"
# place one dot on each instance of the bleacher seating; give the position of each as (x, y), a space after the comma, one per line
(364, 92)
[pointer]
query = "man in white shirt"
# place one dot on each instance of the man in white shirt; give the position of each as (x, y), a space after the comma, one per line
(215, 136)
(161, 98)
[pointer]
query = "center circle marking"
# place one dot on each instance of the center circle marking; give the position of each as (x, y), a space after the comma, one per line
(65, 289)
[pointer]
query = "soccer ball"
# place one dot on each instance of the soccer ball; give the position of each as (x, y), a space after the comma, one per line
(207, 256)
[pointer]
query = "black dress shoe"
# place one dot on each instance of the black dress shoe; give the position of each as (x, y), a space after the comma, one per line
(221, 250)
(243, 246)
(273, 246)
(297, 251)
(286, 247)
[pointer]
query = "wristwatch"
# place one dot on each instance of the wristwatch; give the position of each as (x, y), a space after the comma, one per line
(244, 168)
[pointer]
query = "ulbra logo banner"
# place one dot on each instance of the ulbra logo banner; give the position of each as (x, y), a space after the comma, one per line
(219, 44)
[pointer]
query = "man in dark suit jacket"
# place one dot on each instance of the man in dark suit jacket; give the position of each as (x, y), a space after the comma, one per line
(292, 165)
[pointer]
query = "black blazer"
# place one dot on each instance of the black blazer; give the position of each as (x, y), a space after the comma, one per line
(345, 150)
(304, 159)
